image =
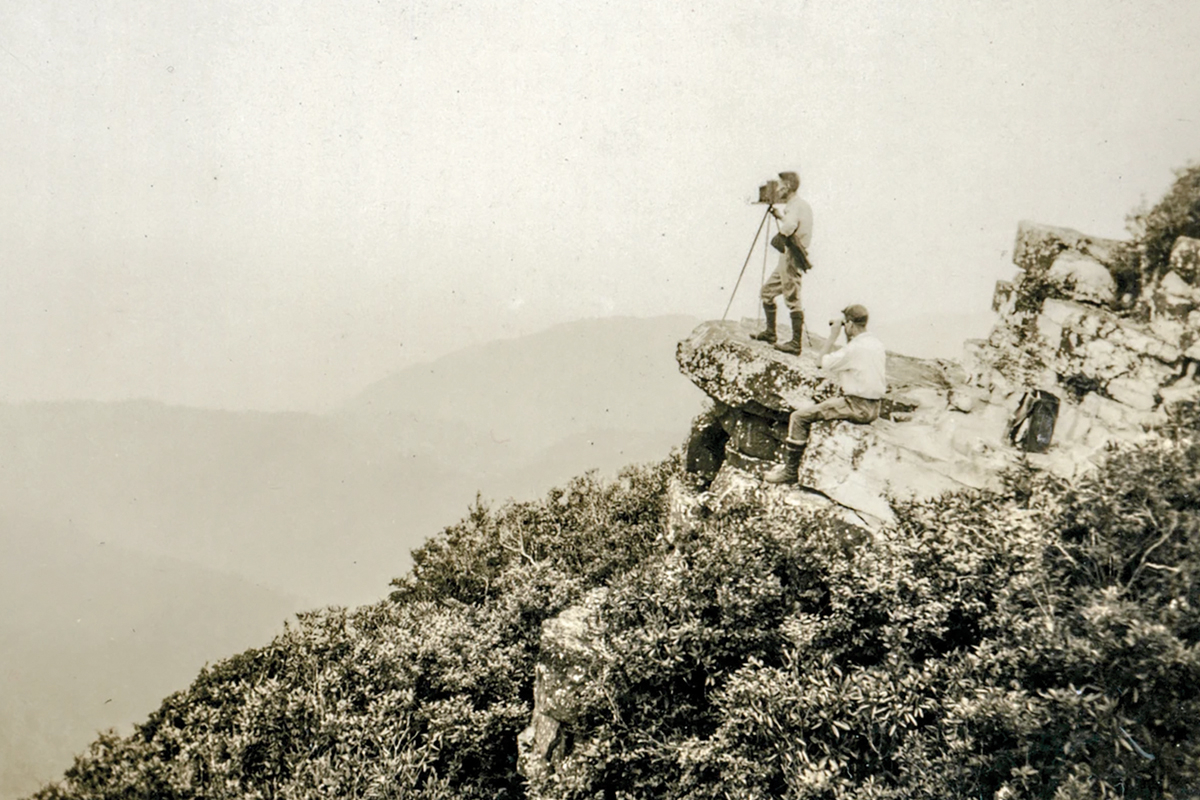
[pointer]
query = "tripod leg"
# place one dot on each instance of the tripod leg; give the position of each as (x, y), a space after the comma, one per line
(745, 263)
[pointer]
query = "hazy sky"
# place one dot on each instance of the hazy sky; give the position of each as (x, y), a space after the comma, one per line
(269, 204)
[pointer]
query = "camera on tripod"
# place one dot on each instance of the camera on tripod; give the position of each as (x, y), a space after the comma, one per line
(771, 193)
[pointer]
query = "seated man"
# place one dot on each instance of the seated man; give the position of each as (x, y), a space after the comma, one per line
(858, 368)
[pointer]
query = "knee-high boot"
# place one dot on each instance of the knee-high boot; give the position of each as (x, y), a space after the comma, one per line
(789, 470)
(795, 344)
(767, 334)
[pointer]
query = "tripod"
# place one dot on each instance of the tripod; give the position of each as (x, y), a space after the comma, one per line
(766, 216)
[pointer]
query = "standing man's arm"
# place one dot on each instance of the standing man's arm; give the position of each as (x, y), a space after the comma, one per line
(790, 217)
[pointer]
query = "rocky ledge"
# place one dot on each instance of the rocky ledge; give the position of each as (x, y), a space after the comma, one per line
(1077, 321)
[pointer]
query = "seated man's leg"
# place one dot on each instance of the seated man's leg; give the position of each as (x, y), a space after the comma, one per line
(797, 439)
(851, 409)
(861, 410)
(802, 419)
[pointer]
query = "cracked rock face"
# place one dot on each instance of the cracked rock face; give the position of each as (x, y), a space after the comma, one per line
(566, 666)
(1063, 326)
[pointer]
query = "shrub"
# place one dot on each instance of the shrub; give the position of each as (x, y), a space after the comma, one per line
(1176, 214)
(421, 696)
(1040, 641)
(591, 529)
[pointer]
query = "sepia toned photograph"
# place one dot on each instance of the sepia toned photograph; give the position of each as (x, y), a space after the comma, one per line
(408, 400)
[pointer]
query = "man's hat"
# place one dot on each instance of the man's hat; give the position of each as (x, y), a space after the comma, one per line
(856, 314)
(791, 178)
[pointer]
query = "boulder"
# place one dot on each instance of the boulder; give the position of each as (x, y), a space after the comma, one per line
(732, 368)
(1079, 258)
(706, 443)
(1174, 297)
(848, 464)
(567, 666)
(1038, 246)
(1076, 338)
(1137, 394)
(685, 512)
(737, 484)
(1004, 297)
(1083, 278)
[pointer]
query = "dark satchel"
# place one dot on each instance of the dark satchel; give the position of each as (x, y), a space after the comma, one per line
(1032, 426)
(782, 243)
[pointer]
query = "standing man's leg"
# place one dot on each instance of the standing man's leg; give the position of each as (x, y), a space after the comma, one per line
(790, 288)
(770, 290)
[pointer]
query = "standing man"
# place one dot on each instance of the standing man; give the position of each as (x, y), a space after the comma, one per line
(859, 369)
(795, 222)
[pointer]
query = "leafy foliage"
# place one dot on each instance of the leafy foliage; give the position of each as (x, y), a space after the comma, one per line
(1176, 214)
(421, 696)
(1041, 641)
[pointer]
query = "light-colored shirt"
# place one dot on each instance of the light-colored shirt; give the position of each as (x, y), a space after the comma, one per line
(859, 367)
(797, 218)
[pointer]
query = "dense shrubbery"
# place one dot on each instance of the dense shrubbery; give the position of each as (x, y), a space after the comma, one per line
(1040, 641)
(1036, 642)
(421, 696)
(1176, 214)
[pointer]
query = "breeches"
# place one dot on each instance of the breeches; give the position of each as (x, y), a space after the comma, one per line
(858, 410)
(785, 280)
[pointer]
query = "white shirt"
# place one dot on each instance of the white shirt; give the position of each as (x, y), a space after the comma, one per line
(797, 218)
(859, 367)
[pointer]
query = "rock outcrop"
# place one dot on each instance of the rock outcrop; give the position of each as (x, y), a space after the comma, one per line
(566, 664)
(1078, 322)
(1068, 324)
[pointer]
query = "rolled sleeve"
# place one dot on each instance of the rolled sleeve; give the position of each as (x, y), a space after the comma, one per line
(835, 360)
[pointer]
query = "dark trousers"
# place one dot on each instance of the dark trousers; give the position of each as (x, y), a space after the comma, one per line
(858, 410)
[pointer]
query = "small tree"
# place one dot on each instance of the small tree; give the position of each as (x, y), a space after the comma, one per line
(1176, 214)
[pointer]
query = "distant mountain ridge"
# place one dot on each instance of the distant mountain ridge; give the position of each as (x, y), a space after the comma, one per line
(612, 373)
(318, 508)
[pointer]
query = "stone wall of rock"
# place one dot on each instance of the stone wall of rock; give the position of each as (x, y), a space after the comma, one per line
(566, 667)
(1115, 363)
(1076, 321)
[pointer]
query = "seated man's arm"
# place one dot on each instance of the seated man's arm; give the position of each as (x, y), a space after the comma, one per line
(823, 355)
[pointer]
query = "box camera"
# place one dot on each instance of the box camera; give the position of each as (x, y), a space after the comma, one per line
(770, 192)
